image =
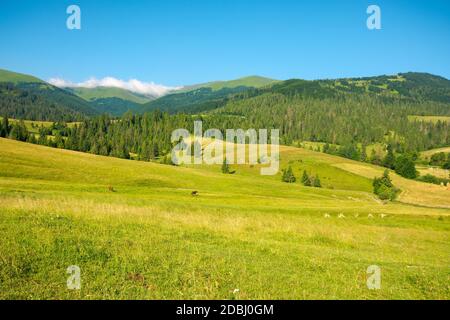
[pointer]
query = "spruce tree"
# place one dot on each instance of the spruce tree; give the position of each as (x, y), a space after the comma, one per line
(305, 179)
(317, 183)
(288, 175)
(225, 166)
(389, 160)
(363, 153)
(405, 167)
(4, 131)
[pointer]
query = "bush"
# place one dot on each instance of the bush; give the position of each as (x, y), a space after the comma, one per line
(447, 164)
(384, 188)
(438, 159)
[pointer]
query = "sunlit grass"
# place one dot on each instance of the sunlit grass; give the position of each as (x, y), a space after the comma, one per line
(151, 239)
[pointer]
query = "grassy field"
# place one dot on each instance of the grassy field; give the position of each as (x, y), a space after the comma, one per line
(8, 76)
(426, 155)
(434, 171)
(151, 239)
(33, 125)
(433, 119)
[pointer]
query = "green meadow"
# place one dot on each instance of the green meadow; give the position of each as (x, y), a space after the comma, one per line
(433, 119)
(137, 232)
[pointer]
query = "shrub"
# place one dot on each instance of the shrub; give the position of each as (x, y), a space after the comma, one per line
(384, 188)
(438, 159)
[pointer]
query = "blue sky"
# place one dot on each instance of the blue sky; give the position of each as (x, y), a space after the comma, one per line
(175, 42)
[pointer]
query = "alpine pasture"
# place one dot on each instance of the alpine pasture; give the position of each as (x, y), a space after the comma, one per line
(137, 232)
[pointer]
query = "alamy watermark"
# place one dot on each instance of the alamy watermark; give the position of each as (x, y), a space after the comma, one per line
(374, 20)
(73, 22)
(191, 150)
(374, 279)
(74, 279)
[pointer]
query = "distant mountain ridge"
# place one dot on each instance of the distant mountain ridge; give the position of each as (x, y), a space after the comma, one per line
(96, 93)
(412, 85)
(206, 96)
(112, 100)
(26, 96)
(250, 81)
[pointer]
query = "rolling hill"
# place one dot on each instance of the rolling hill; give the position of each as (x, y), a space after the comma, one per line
(15, 78)
(250, 82)
(97, 93)
(411, 87)
(269, 239)
(115, 101)
(23, 96)
(193, 101)
(205, 97)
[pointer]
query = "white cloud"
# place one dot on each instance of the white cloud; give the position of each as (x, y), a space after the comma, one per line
(134, 85)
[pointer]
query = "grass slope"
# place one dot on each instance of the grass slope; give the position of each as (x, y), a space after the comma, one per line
(251, 81)
(433, 119)
(151, 239)
(109, 92)
(427, 154)
(14, 77)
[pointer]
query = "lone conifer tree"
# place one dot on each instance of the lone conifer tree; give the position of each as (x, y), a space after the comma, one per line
(288, 175)
(317, 183)
(305, 179)
(389, 160)
(225, 166)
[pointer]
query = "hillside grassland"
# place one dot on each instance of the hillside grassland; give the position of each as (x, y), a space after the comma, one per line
(433, 119)
(14, 77)
(136, 231)
(251, 82)
(109, 92)
(427, 154)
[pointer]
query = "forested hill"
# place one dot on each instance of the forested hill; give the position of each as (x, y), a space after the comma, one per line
(415, 86)
(348, 111)
(412, 87)
(198, 100)
(207, 96)
(26, 97)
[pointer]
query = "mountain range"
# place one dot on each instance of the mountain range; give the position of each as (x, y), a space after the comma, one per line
(25, 96)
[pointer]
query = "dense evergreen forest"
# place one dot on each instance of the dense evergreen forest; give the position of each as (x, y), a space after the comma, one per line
(342, 120)
(41, 101)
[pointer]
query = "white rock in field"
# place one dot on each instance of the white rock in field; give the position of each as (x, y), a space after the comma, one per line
(370, 216)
